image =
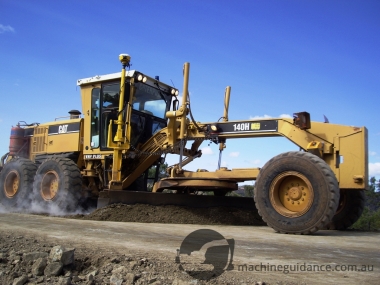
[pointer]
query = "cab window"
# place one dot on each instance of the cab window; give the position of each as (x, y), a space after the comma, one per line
(151, 100)
(95, 114)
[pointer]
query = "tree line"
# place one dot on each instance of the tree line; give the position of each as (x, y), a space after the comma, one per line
(370, 219)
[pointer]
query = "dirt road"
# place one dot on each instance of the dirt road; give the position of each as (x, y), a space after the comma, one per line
(332, 254)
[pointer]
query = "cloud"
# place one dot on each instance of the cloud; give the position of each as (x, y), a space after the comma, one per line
(255, 162)
(4, 29)
(374, 169)
(260, 117)
(269, 117)
(207, 150)
(372, 153)
(234, 154)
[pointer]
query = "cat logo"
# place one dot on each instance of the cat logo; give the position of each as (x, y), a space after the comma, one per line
(62, 129)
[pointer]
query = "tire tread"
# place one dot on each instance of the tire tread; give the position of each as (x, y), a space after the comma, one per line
(332, 184)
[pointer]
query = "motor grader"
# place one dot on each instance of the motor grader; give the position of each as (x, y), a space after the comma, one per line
(130, 121)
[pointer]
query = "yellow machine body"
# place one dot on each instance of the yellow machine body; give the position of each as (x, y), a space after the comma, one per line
(130, 121)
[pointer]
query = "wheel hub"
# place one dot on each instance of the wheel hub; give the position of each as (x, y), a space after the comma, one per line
(49, 185)
(295, 193)
(291, 194)
(11, 184)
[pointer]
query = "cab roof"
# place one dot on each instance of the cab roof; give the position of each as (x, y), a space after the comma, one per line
(130, 73)
(99, 78)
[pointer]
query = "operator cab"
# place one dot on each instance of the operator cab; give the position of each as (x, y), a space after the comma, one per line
(151, 100)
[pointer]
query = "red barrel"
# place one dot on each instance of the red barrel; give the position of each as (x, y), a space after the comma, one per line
(17, 140)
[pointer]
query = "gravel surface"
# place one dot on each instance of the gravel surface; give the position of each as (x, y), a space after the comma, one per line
(47, 258)
(27, 259)
(30, 259)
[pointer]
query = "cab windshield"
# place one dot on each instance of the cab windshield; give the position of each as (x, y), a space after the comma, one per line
(149, 105)
(151, 100)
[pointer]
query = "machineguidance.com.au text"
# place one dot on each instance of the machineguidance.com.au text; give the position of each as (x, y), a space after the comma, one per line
(303, 267)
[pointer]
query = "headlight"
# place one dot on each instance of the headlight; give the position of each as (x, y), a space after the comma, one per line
(141, 77)
(174, 92)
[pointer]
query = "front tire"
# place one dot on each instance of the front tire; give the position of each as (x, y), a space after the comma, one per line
(58, 182)
(16, 180)
(296, 192)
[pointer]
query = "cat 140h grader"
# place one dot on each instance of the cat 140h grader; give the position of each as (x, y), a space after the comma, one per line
(130, 121)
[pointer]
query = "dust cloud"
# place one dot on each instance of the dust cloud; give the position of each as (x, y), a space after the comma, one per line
(62, 204)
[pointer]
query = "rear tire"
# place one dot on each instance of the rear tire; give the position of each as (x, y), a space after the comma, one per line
(58, 182)
(350, 208)
(296, 192)
(16, 181)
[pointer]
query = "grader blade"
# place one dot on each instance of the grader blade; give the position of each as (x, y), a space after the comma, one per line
(190, 200)
(216, 185)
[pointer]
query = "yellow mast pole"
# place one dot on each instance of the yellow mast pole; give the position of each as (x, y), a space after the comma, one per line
(183, 108)
(115, 182)
(222, 145)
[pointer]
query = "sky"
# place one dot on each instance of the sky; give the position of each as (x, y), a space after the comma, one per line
(279, 57)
